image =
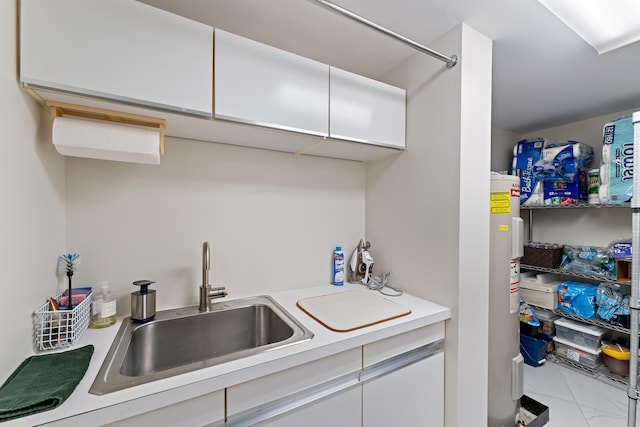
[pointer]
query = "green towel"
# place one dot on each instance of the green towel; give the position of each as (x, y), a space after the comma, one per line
(43, 382)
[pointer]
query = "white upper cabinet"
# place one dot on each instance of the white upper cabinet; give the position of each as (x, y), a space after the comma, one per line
(127, 56)
(366, 110)
(120, 50)
(266, 86)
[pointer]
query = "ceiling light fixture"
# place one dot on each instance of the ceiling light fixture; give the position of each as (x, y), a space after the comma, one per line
(605, 25)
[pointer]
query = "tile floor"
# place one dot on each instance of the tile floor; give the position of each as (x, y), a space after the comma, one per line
(575, 399)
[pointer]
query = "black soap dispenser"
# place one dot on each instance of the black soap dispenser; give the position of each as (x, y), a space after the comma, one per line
(143, 302)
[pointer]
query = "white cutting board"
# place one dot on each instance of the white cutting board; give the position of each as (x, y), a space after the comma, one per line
(350, 310)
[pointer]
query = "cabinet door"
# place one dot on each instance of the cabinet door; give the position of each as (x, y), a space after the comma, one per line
(262, 85)
(404, 379)
(119, 50)
(411, 396)
(366, 110)
(203, 410)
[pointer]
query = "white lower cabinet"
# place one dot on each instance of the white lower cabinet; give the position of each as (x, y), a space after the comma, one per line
(398, 381)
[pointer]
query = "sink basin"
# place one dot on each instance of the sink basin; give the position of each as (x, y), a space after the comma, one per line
(184, 339)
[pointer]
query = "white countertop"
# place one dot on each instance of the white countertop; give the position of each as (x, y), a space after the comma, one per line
(196, 383)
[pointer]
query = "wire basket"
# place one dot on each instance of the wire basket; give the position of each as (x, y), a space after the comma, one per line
(61, 328)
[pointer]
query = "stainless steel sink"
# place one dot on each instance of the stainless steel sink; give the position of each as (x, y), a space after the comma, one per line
(184, 340)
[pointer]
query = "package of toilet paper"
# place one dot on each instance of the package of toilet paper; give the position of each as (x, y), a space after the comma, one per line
(539, 162)
(525, 155)
(562, 161)
(616, 162)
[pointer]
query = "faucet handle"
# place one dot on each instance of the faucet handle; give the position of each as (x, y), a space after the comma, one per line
(219, 292)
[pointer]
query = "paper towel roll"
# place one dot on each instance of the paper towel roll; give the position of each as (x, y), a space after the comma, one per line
(98, 139)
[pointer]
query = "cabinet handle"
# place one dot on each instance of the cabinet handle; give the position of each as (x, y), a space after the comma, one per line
(400, 361)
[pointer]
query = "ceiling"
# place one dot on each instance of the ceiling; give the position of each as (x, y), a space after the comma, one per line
(543, 73)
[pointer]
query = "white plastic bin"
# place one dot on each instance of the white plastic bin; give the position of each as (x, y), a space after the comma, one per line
(582, 355)
(578, 333)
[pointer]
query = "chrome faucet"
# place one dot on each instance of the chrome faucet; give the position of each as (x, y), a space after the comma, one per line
(207, 293)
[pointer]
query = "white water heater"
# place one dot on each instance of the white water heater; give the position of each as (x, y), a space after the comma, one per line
(506, 248)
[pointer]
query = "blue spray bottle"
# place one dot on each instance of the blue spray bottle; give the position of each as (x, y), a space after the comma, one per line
(338, 266)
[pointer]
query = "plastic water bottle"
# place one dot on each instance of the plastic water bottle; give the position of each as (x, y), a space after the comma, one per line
(338, 266)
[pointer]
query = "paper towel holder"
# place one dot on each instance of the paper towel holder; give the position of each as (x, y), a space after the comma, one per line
(60, 109)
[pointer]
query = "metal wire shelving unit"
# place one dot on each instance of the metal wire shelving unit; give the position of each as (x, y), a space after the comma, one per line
(593, 321)
(631, 382)
(576, 206)
(600, 373)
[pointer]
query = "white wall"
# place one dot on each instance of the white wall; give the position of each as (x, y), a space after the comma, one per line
(272, 219)
(473, 263)
(32, 226)
(502, 142)
(428, 209)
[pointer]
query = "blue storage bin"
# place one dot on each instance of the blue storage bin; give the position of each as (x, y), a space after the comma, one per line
(533, 348)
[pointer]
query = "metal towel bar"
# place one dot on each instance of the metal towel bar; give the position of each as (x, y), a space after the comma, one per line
(450, 60)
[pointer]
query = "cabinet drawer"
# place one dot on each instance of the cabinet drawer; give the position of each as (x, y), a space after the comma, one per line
(197, 408)
(202, 410)
(340, 409)
(246, 396)
(382, 350)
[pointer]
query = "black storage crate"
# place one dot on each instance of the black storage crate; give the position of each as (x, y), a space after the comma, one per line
(542, 257)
